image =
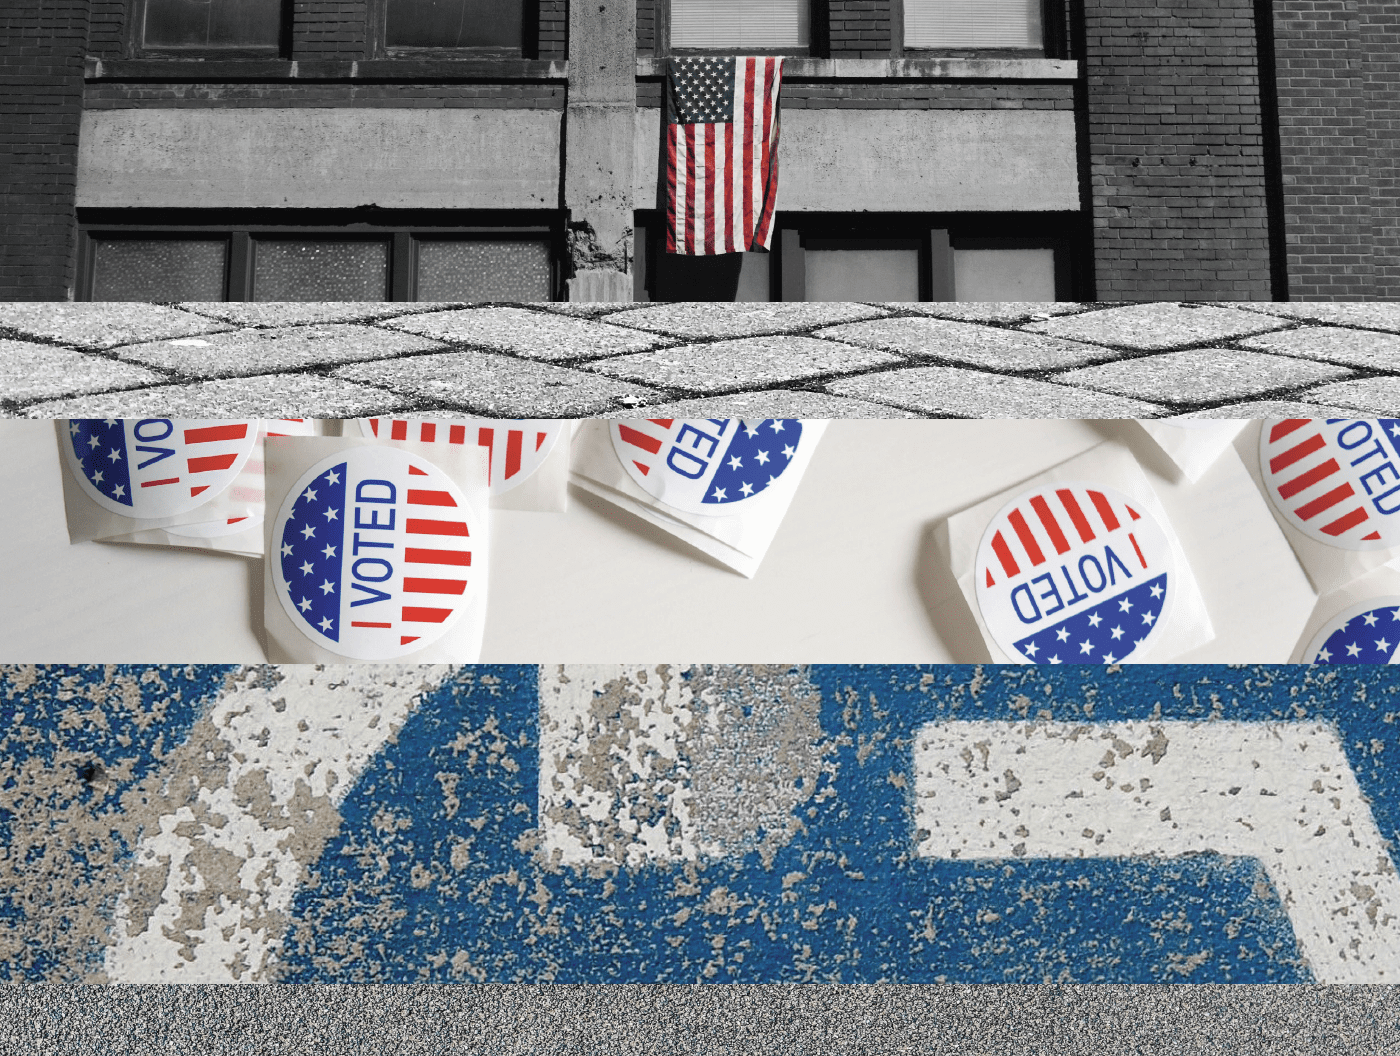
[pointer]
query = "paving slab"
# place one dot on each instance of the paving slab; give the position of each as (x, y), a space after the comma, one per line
(1158, 327)
(30, 371)
(991, 311)
(102, 325)
(1368, 314)
(269, 396)
(285, 313)
(1203, 375)
(245, 352)
(500, 386)
(771, 403)
(748, 363)
(1380, 396)
(1273, 409)
(955, 341)
(745, 319)
(952, 392)
(533, 334)
(1333, 344)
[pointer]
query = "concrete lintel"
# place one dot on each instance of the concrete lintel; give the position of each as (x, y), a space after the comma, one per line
(395, 70)
(805, 69)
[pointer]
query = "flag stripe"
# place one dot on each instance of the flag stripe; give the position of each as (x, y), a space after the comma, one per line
(214, 433)
(1301, 483)
(1076, 514)
(1297, 453)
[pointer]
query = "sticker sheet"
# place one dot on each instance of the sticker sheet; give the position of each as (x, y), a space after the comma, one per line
(721, 485)
(1193, 444)
(528, 459)
(378, 551)
(1079, 565)
(170, 482)
(1333, 485)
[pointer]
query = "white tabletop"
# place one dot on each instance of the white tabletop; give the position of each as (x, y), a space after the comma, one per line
(851, 577)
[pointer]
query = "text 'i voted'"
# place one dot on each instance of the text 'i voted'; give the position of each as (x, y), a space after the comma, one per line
(374, 553)
(707, 466)
(1075, 574)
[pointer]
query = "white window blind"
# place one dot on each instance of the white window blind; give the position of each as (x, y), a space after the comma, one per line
(761, 24)
(973, 24)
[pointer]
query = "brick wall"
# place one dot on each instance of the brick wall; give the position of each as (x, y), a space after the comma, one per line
(41, 89)
(1323, 134)
(329, 29)
(646, 27)
(554, 29)
(859, 28)
(1176, 150)
(1380, 30)
(106, 35)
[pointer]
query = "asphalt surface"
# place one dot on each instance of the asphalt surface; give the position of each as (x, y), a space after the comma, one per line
(812, 360)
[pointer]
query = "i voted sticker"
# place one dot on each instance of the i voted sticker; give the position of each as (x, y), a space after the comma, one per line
(1366, 633)
(708, 466)
(1337, 480)
(157, 467)
(1075, 574)
(516, 447)
(374, 553)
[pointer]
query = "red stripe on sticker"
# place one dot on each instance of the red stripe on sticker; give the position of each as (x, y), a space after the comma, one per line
(413, 614)
(1003, 552)
(158, 483)
(1023, 533)
(1142, 559)
(457, 434)
(1306, 480)
(1081, 523)
(1288, 425)
(399, 430)
(359, 624)
(208, 463)
(637, 438)
(419, 556)
(1105, 508)
(1052, 526)
(1297, 453)
(420, 526)
(434, 586)
(421, 497)
(212, 433)
(1310, 510)
(514, 439)
(1345, 524)
(429, 433)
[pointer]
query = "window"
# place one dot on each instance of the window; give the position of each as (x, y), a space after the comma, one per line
(255, 24)
(454, 24)
(123, 262)
(1004, 274)
(754, 25)
(974, 24)
(849, 269)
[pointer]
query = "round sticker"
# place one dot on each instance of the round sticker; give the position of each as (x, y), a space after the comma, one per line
(516, 450)
(1075, 574)
(157, 467)
(1337, 480)
(374, 553)
(710, 466)
(1366, 633)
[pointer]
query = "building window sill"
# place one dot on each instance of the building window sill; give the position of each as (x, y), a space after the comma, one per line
(395, 70)
(801, 69)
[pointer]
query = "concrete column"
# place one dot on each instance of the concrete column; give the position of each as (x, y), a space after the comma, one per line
(599, 123)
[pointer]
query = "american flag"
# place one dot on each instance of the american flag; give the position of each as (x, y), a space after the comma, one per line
(1370, 637)
(522, 448)
(1071, 575)
(155, 467)
(374, 552)
(721, 154)
(717, 461)
(1329, 476)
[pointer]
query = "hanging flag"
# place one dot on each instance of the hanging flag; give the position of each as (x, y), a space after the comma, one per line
(721, 153)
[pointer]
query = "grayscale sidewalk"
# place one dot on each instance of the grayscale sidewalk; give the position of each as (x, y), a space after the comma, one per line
(799, 360)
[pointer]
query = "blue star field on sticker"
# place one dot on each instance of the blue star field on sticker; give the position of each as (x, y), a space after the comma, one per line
(1368, 638)
(755, 459)
(100, 445)
(311, 547)
(1104, 634)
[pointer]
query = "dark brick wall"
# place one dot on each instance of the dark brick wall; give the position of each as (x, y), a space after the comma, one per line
(106, 37)
(646, 26)
(859, 29)
(1323, 144)
(41, 91)
(1176, 150)
(554, 29)
(329, 29)
(1380, 30)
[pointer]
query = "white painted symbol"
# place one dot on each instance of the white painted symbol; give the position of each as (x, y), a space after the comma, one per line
(1283, 793)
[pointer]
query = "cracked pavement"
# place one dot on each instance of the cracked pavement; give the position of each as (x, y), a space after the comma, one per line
(835, 360)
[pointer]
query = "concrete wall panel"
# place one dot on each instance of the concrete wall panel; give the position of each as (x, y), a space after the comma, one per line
(323, 158)
(909, 161)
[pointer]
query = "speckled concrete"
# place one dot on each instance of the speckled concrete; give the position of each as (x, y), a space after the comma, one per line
(698, 824)
(567, 360)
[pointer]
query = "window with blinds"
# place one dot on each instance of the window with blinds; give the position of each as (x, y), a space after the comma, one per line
(762, 25)
(973, 24)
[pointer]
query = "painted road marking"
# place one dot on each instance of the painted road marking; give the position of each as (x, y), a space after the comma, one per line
(1283, 793)
(282, 749)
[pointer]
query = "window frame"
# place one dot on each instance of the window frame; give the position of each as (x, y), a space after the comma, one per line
(243, 233)
(1053, 43)
(817, 19)
(377, 32)
(134, 33)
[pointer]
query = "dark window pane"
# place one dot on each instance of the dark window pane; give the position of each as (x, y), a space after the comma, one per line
(306, 270)
(483, 271)
(128, 269)
(213, 23)
(455, 23)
